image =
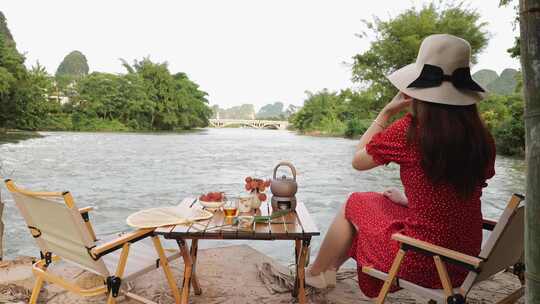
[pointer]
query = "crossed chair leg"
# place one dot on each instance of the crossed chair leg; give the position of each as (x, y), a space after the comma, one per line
(113, 285)
(451, 295)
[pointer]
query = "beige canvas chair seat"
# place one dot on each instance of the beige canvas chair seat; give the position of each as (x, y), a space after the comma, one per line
(502, 250)
(142, 259)
(64, 232)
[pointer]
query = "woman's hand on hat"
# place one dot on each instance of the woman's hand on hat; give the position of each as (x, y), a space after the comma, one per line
(398, 103)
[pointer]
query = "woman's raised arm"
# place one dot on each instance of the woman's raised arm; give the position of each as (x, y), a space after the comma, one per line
(362, 160)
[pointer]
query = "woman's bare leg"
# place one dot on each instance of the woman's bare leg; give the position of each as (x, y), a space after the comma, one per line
(340, 261)
(335, 246)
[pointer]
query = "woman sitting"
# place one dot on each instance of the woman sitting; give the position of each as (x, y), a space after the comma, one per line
(445, 155)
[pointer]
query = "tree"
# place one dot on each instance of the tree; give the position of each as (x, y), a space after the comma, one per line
(174, 101)
(397, 40)
(530, 64)
(4, 31)
(23, 93)
(515, 50)
(322, 111)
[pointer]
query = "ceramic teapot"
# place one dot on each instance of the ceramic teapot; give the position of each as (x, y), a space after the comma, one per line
(284, 186)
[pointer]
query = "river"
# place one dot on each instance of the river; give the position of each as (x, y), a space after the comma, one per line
(122, 173)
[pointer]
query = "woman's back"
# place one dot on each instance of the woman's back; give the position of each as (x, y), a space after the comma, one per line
(436, 212)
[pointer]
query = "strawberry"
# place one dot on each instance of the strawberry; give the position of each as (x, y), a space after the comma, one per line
(214, 196)
(248, 179)
(262, 197)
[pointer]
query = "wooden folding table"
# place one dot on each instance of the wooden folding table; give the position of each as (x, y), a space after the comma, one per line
(295, 226)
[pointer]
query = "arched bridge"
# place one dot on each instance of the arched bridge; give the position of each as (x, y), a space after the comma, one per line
(251, 123)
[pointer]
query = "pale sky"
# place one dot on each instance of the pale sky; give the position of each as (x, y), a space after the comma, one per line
(239, 51)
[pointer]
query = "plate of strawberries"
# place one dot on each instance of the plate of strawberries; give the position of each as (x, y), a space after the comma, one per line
(212, 200)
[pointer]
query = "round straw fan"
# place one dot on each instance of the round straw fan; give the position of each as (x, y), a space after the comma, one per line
(165, 216)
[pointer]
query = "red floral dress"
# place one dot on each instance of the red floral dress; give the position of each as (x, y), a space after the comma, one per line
(434, 214)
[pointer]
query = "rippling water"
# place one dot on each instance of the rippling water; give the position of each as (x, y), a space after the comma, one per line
(121, 173)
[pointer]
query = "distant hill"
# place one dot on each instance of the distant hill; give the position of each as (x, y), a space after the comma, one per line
(505, 84)
(74, 65)
(274, 110)
(245, 111)
(485, 77)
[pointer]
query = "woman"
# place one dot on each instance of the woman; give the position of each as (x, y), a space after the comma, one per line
(445, 155)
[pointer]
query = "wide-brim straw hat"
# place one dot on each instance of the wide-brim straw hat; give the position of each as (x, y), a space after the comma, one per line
(441, 73)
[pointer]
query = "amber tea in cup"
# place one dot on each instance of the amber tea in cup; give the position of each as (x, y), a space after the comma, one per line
(230, 208)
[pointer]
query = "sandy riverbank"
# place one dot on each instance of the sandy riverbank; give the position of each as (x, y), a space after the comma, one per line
(227, 275)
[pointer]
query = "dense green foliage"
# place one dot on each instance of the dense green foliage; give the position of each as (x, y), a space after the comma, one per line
(503, 115)
(343, 114)
(397, 40)
(23, 101)
(147, 97)
(332, 113)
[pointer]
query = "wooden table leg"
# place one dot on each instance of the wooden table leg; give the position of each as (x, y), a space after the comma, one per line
(193, 253)
(301, 271)
(297, 250)
(186, 285)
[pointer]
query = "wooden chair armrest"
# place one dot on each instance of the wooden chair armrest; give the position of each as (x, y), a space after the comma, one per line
(117, 243)
(430, 249)
(86, 218)
(86, 209)
(489, 224)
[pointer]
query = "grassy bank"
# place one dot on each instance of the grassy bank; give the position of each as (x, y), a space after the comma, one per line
(14, 136)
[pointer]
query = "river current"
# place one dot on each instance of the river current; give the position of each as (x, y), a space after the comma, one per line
(121, 173)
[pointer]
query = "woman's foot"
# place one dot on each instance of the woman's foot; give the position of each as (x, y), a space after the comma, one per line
(330, 278)
(317, 281)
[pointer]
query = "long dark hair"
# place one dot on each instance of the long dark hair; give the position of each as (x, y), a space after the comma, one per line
(455, 146)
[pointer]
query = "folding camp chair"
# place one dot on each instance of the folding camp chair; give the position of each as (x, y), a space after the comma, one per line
(502, 250)
(64, 232)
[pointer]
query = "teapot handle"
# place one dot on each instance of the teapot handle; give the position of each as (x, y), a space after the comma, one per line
(287, 164)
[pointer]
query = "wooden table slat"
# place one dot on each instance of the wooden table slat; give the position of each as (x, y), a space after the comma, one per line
(263, 228)
(295, 228)
(280, 229)
(295, 225)
(198, 228)
(215, 221)
(305, 220)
